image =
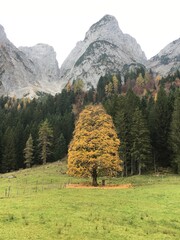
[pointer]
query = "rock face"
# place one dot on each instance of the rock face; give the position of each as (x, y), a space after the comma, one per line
(167, 60)
(104, 50)
(16, 71)
(24, 72)
(47, 70)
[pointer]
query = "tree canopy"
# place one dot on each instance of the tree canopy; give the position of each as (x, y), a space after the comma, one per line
(94, 149)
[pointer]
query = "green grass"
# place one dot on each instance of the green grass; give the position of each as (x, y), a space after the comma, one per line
(36, 205)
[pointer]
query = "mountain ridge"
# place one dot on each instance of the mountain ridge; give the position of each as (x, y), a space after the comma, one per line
(167, 60)
(22, 74)
(26, 71)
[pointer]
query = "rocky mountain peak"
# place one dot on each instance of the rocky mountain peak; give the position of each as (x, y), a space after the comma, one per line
(2, 34)
(107, 24)
(106, 28)
(104, 49)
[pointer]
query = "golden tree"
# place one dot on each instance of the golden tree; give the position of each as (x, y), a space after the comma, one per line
(93, 152)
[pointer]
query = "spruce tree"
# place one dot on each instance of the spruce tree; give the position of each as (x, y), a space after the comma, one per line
(175, 133)
(124, 133)
(9, 161)
(151, 121)
(162, 126)
(60, 147)
(141, 147)
(45, 142)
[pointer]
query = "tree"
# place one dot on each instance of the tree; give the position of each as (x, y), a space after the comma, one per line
(45, 135)
(151, 120)
(109, 89)
(78, 86)
(19, 143)
(141, 147)
(123, 130)
(115, 84)
(28, 152)
(9, 161)
(162, 127)
(123, 122)
(60, 147)
(175, 133)
(140, 80)
(94, 148)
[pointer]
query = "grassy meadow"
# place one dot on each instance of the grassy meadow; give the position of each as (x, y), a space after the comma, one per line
(35, 204)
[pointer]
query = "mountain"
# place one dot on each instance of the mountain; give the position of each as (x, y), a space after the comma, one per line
(44, 58)
(167, 61)
(29, 71)
(26, 71)
(105, 49)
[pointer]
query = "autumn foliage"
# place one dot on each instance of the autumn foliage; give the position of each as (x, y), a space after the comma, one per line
(93, 152)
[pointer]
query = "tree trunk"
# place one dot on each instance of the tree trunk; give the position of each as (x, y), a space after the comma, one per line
(154, 162)
(94, 178)
(132, 166)
(126, 168)
(139, 167)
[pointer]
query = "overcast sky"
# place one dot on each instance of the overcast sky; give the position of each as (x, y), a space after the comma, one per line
(62, 23)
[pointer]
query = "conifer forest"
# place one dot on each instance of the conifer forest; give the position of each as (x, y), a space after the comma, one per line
(147, 123)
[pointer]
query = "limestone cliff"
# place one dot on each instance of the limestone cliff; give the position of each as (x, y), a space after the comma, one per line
(105, 49)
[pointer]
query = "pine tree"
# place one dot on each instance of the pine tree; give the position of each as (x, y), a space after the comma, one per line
(124, 133)
(175, 133)
(141, 147)
(162, 126)
(19, 143)
(45, 135)
(60, 147)
(123, 122)
(9, 161)
(151, 119)
(94, 148)
(28, 152)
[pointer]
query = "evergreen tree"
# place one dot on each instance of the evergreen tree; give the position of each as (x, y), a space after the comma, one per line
(103, 81)
(9, 161)
(175, 133)
(60, 149)
(141, 148)
(45, 142)
(28, 152)
(34, 131)
(127, 107)
(162, 125)
(151, 119)
(123, 130)
(19, 143)
(112, 105)
(1, 148)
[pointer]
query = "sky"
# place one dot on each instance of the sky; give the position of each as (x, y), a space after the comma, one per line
(62, 23)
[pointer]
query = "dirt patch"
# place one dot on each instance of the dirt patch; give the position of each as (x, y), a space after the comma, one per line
(121, 186)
